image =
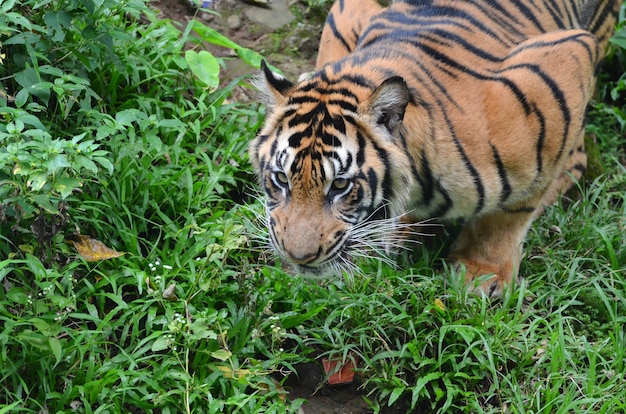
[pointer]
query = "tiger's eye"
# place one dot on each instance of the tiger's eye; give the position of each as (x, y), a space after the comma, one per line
(340, 184)
(281, 177)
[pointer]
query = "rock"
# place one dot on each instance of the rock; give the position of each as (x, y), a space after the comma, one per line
(274, 16)
(207, 17)
(233, 22)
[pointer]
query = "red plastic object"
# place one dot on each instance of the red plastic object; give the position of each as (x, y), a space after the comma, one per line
(345, 375)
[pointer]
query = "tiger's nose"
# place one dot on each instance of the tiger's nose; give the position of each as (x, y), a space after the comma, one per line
(301, 258)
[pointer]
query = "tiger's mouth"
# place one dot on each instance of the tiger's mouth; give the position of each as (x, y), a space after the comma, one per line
(379, 240)
(336, 265)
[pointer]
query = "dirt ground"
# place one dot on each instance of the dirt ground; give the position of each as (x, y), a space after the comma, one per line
(292, 48)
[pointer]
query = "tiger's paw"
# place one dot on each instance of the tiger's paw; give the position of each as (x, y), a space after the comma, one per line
(489, 279)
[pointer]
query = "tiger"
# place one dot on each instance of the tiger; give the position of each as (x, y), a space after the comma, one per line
(464, 111)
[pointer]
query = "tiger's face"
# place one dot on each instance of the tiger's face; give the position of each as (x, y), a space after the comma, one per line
(323, 159)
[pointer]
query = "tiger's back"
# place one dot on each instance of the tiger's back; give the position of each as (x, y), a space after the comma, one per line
(446, 109)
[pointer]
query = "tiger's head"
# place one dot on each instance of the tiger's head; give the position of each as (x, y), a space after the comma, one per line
(331, 161)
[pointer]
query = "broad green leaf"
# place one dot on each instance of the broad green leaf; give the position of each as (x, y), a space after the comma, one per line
(205, 66)
(89, 5)
(41, 325)
(27, 78)
(20, 98)
(126, 117)
(35, 339)
(221, 354)
(6, 6)
(43, 201)
(212, 36)
(87, 163)
(105, 163)
(160, 344)
(171, 123)
(18, 19)
(65, 185)
(41, 90)
(37, 180)
(29, 119)
(295, 320)
(619, 38)
(9, 408)
(421, 383)
(199, 331)
(5, 268)
(250, 56)
(51, 70)
(395, 394)
(56, 163)
(56, 348)
(17, 295)
(57, 22)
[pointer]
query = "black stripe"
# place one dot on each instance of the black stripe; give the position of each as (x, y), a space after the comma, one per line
(360, 155)
(446, 206)
(372, 181)
(558, 96)
(381, 29)
(506, 185)
(260, 140)
(409, 155)
(478, 183)
(541, 137)
(521, 97)
(556, 15)
(521, 6)
(509, 29)
(520, 210)
(343, 104)
(575, 37)
(601, 18)
(387, 186)
(296, 138)
(460, 40)
(330, 23)
(338, 243)
(426, 180)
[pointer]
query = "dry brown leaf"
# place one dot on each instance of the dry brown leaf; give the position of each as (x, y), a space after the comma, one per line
(93, 250)
(170, 293)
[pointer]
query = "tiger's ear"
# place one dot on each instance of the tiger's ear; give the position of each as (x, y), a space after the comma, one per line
(388, 103)
(273, 86)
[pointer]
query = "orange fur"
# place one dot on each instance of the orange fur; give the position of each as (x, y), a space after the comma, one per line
(461, 110)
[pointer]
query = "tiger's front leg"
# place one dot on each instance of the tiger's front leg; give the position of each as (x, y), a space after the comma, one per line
(492, 245)
(548, 134)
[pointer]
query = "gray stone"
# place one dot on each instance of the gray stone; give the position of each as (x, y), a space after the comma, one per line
(233, 22)
(274, 16)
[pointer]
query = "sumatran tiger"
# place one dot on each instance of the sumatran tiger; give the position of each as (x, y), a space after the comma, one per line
(464, 110)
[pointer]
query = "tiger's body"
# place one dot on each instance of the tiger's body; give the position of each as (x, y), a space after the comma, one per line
(448, 109)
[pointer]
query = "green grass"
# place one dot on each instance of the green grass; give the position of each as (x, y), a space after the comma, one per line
(119, 138)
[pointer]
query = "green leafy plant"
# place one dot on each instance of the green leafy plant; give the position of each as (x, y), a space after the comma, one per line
(116, 126)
